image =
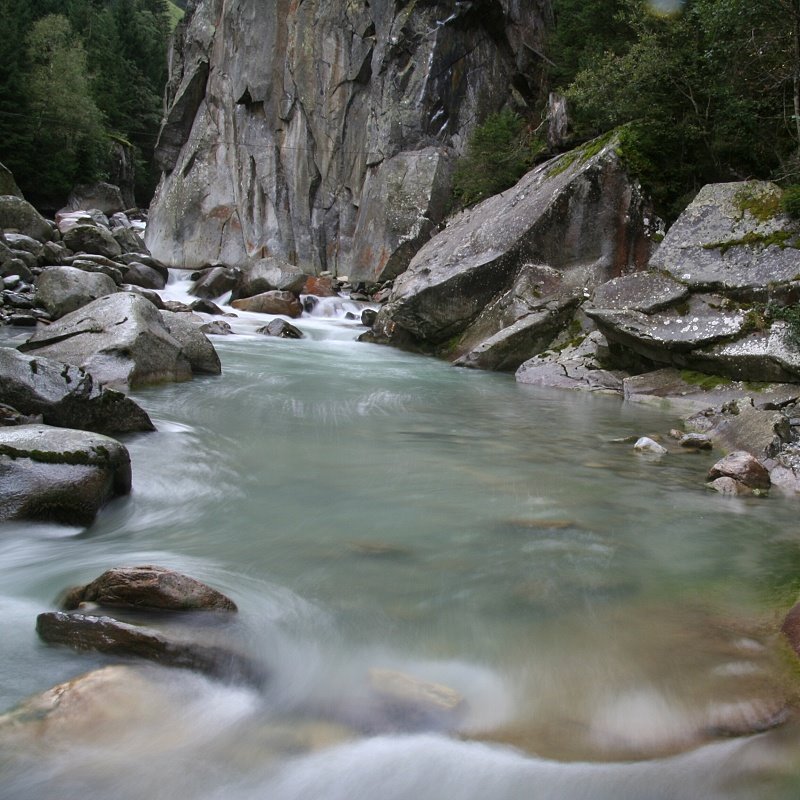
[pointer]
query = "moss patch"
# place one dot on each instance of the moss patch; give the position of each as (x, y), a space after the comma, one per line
(752, 239)
(71, 457)
(703, 380)
(763, 204)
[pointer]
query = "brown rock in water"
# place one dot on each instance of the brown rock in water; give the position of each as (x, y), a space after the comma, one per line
(411, 703)
(108, 635)
(743, 467)
(149, 587)
(729, 486)
(275, 302)
(320, 286)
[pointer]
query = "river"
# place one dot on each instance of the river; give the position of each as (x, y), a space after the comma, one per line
(606, 618)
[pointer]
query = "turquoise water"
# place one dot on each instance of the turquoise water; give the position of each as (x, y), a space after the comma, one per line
(601, 613)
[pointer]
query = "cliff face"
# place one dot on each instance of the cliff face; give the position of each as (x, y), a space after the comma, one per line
(323, 131)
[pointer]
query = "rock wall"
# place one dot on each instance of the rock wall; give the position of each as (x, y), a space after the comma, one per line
(323, 131)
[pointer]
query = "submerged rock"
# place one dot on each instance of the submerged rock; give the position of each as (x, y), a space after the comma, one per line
(59, 475)
(149, 587)
(108, 635)
(66, 396)
(410, 703)
(647, 445)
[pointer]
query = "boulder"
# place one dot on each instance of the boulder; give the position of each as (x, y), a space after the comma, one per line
(92, 239)
(527, 251)
(62, 290)
(217, 327)
(59, 475)
(104, 196)
(579, 364)
(147, 260)
(108, 635)
(120, 339)
(646, 292)
(320, 286)
(282, 329)
(205, 307)
(284, 303)
(269, 274)
(368, 317)
(742, 467)
(19, 216)
(148, 587)
(20, 242)
(144, 276)
(65, 220)
(66, 396)
(129, 240)
(730, 486)
(732, 237)
(215, 282)
(195, 345)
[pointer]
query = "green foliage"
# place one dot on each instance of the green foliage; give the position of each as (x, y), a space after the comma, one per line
(790, 202)
(705, 95)
(66, 91)
(67, 126)
(499, 153)
(791, 316)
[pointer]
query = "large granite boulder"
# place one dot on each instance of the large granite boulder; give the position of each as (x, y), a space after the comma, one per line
(92, 239)
(732, 238)
(148, 587)
(61, 290)
(195, 345)
(121, 339)
(19, 216)
(269, 274)
(496, 286)
(716, 294)
(59, 475)
(66, 396)
(402, 85)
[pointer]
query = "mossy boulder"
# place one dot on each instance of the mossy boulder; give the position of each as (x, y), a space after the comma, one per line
(59, 475)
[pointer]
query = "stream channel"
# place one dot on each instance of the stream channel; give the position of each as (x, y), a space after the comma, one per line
(609, 622)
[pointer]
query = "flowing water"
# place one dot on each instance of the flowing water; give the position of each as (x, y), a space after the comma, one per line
(609, 623)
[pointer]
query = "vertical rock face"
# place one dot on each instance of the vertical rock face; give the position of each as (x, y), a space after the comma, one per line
(323, 131)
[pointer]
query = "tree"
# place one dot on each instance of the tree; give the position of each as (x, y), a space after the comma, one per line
(67, 126)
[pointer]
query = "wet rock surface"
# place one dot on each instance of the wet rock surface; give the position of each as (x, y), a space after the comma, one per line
(107, 635)
(60, 475)
(148, 587)
(66, 396)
